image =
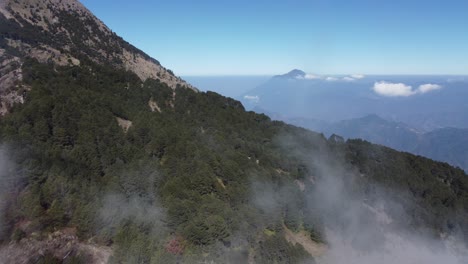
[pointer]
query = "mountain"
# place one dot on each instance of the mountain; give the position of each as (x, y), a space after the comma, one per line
(67, 34)
(375, 129)
(294, 74)
(101, 164)
(445, 144)
(341, 97)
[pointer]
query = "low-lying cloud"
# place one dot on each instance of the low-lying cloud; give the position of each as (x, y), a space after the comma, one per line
(349, 78)
(310, 76)
(117, 208)
(395, 249)
(134, 201)
(358, 76)
(393, 89)
(402, 90)
(367, 227)
(4, 188)
(10, 183)
(428, 87)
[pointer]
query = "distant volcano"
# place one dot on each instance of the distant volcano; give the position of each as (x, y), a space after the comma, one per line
(294, 74)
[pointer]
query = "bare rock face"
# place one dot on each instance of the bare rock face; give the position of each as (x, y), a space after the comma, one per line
(60, 244)
(11, 89)
(65, 33)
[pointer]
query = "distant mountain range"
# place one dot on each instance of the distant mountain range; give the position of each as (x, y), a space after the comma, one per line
(445, 144)
(423, 102)
(434, 123)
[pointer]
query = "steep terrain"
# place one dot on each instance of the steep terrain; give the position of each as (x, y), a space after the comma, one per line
(64, 33)
(101, 163)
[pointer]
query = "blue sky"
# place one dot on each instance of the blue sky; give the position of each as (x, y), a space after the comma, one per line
(241, 37)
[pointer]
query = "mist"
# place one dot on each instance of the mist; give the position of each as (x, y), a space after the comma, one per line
(117, 208)
(132, 198)
(9, 180)
(375, 229)
(130, 215)
(365, 224)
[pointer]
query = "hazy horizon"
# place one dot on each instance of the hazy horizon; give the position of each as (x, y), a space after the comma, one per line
(326, 37)
(321, 74)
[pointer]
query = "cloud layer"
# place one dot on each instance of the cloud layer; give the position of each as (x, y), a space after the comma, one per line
(357, 76)
(400, 89)
(349, 78)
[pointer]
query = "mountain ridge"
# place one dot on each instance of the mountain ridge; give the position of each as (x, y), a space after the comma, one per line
(64, 33)
(443, 144)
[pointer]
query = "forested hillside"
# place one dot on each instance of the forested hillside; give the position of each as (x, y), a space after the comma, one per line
(100, 165)
(187, 172)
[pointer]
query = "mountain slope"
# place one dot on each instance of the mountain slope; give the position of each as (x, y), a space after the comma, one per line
(64, 33)
(445, 144)
(99, 160)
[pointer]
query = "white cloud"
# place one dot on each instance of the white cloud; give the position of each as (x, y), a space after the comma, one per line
(348, 79)
(312, 76)
(457, 79)
(428, 87)
(358, 76)
(401, 89)
(252, 98)
(393, 89)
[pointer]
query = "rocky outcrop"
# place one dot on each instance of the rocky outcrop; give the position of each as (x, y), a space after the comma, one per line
(124, 124)
(60, 245)
(11, 89)
(65, 33)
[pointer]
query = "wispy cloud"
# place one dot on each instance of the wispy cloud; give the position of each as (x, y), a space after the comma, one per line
(312, 76)
(117, 208)
(252, 98)
(348, 79)
(456, 79)
(428, 87)
(402, 90)
(358, 76)
(11, 181)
